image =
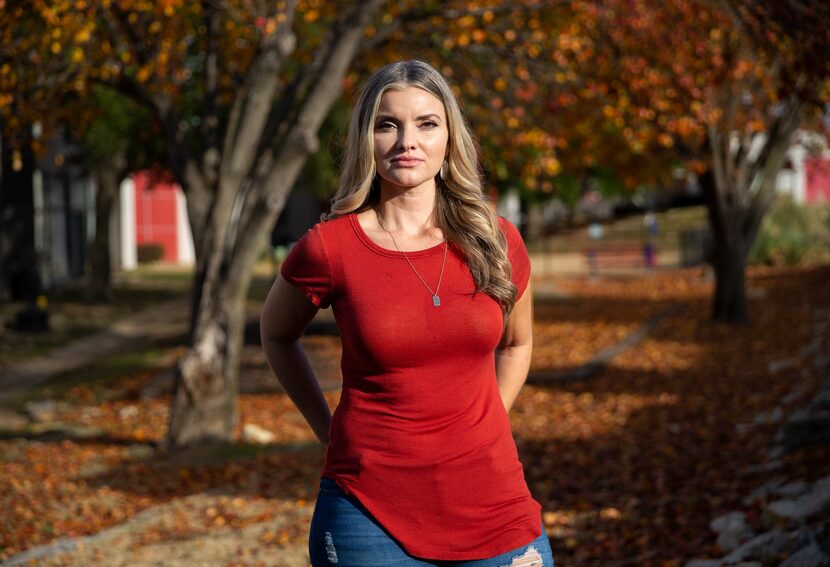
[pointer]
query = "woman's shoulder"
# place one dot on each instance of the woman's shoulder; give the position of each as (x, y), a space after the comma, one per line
(516, 253)
(331, 228)
(509, 229)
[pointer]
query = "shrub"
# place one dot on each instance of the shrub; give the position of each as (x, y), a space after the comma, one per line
(793, 234)
(149, 252)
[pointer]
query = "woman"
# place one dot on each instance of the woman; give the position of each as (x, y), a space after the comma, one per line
(430, 292)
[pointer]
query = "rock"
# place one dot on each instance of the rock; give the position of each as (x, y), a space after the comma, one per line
(799, 391)
(777, 366)
(822, 400)
(252, 433)
(12, 420)
(810, 556)
(704, 563)
(80, 431)
(763, 544)
(732, 530)
(128, 412)
(814, 347)
(741, 428)
(767, 467)
(142, 451)
(45, 410)
(91, 412)
(94, 468)
(761, 493)
(774, 415)
(756, 292)
(58, 431)
(806, 427)
(799, 511)
(792, 489)
(776, 452)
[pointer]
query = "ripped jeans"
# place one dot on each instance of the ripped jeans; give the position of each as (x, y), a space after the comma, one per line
(343, 533)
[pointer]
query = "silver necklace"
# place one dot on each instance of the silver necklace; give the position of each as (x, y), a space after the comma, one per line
(436, 301)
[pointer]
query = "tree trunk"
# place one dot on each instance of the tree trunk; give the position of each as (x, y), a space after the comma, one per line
(730, 252)
(234, 213)
(729, 304)
(20, 278)
(204, 399)
(100, 279)
(738, 191)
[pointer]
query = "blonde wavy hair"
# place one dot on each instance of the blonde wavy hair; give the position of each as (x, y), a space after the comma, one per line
(461, 211)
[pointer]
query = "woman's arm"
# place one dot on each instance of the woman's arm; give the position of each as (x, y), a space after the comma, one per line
(513, 354)
(285, 315)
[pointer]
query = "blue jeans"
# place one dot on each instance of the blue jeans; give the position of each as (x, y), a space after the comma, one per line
(343, 533)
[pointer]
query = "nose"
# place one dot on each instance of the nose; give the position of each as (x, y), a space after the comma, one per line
(406, 138)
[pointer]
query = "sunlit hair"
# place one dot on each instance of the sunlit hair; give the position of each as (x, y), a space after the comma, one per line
(461, 209)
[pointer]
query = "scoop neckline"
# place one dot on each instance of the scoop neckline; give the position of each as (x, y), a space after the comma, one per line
(375, 247)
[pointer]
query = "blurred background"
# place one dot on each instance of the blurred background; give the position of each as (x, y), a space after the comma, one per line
(667, 164)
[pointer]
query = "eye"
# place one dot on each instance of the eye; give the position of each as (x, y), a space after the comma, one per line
(385, 125)
(429, 124)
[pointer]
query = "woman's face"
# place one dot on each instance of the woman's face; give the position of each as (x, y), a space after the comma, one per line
(410, 134)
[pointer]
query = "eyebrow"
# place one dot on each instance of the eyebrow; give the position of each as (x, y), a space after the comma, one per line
(422, 117)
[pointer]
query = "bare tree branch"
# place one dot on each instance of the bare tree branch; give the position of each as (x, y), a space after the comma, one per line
(254, 101)
(210, 121)
(301, 139)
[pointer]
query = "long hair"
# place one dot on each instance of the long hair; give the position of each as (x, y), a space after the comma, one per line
(461, 209)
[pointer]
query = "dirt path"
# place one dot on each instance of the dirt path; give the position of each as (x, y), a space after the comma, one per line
(165, 320)
(165, 535)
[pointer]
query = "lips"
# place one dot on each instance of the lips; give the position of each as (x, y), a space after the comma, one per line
(406, 161)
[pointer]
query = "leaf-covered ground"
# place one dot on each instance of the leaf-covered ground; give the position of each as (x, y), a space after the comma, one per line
(630, 466)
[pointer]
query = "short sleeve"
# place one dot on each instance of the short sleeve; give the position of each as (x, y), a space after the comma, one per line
(517, 254)
(307, 267)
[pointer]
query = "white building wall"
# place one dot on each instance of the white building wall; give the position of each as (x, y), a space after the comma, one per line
(39, 229)
(126, 205)
(793, 180)
(184, 236)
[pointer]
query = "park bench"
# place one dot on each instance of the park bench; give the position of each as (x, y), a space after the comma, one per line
(615, 258)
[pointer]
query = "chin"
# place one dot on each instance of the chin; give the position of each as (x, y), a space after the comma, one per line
(407, 181)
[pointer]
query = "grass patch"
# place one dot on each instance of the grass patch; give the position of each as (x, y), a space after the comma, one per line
(160, 273)
(628, 230)
(793, 234)
(113, 378)
(72, 317)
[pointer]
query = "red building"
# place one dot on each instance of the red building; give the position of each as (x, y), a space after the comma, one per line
(153, 211)
(817, 186)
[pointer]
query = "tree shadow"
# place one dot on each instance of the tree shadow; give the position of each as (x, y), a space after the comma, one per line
(279, 470)
(61, 432)
(641, 462)
(634, 462)
(635, 481)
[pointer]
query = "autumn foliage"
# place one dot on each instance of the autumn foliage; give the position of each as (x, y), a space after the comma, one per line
(551, 88)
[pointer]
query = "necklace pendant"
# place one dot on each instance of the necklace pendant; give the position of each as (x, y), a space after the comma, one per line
(436, 301)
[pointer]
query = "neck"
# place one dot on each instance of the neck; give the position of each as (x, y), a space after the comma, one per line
(409, 210)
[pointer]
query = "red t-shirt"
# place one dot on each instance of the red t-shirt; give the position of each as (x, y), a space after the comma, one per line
(420, 436)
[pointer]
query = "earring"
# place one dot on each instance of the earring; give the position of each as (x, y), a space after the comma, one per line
(442, 173)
